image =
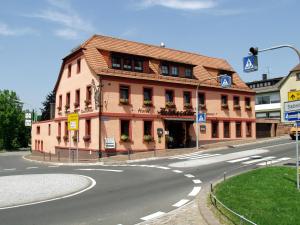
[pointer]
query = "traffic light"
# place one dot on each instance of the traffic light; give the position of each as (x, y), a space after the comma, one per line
(253, 50)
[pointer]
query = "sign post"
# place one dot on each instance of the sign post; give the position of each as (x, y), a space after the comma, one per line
(297, 155)
(250, 63)
(73, 124)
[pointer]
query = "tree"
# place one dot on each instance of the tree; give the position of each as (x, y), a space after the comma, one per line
(13, 133)
(50, 98)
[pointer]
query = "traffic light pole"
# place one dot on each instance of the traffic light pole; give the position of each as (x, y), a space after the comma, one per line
(281, 46)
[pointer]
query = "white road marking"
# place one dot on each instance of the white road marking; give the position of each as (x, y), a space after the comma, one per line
(31, 167)
(239, 160)
(10, 169)
(195, 191)
(93, 183)
(107, 170)
(163, 167)
(177, 171)
(189, 175)
(197, 181)
(258, 160)
(273, 161)
(53, 166)
(195, 156)
(187, 155)
(152, 216)
(181, 203)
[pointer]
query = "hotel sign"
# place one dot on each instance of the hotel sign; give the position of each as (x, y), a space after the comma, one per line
(174, 112)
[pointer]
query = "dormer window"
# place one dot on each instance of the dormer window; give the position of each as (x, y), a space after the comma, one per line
(127, 65)
(174, 71)
(116, 62)
(188, 72)
(165, 69)
(138, 65)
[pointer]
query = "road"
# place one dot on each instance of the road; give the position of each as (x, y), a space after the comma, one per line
(130, 194)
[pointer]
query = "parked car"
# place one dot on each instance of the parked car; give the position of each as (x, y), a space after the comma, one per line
(293, 132)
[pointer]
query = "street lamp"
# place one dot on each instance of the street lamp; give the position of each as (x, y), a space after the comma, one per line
(197, 107)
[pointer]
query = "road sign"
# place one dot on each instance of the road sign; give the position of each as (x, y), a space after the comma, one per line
(292, 116)
(225, 81)
(73, 121)
(293, 96)
(292, 106)
(27, 123)
(250, 63)
(201, 117)
(28, 115)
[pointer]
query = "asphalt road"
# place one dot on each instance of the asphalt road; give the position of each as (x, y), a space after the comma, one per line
(133, 193)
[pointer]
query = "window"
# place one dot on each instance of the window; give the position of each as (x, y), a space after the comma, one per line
(297, 76)
(38, 130)
(77, 99)
(127, 65)
(248, 103)
(226, 126)
(68, 99)
(148, 128)
(214, 129)
(69, 70)
(124, 94)
(78, 65)
(49, 129)
(236, 100)
(261, 115)
(138, 65)
(147, 96)
(174, 71)
(188, 72)
(263, 100)
(88, 95)
(238, 129)
(59, 129)
(248, 129)
(224, 101)
(116, 62)
(201, 99)
(66, 129)
(125, 128)
(88, 127)
(60, 103)
(186, 98)
(274, 114)
(165, 69)
(169, 96)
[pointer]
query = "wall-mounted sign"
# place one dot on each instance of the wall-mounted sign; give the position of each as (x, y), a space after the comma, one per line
(109, 143)
(292, 106)
(202, 128)
(293, 96)
(174, 112)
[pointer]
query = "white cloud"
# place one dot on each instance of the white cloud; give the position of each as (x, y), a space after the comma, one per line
(66, 33)
(61, 12)
(180, 4)
(5, 30)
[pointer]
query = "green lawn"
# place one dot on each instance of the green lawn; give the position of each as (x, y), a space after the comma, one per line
(266, 196)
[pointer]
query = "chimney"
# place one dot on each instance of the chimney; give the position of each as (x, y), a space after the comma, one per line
(264, 76)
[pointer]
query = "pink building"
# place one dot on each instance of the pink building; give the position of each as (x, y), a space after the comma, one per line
(138, 97)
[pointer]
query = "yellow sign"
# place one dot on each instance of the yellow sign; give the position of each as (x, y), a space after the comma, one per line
(73, 121)
(294, 96)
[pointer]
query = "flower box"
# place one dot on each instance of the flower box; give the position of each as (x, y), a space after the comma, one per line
(248, 107)
(188, 106)
(87, 102)
(76, 104)
(66, 138)
(58, 138)
(74, 137)
(202, 106)
(59, 108)
(224, 106)
(237, 107)
(124, 101)
(148, 138)
(86, 138)
(147, 103)
(170, 105)
(124, 138)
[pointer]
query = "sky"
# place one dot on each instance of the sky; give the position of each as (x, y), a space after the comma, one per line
(36, 34)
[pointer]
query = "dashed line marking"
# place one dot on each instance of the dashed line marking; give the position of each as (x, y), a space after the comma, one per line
(152, 216)
(258, 160)
(177, 171)
(31, 167)
(163, 167)
(107, 170)
(53, 166)
(195, 191)
(189, 175)
(197, 181)
(10, 169)
(181, 203)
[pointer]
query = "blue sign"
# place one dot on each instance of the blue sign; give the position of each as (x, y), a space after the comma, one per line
(225, 81)
(201, 117)
(250, 63)
(292, 116)
(298, 123)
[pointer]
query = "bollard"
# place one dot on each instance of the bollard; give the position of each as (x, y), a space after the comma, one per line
(50, 155)
(224, 176)
(44, 156)
(58, 156)
(211, 187)
(72, 156)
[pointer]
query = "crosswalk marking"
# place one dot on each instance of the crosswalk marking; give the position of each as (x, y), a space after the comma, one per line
(244, 159)
(258, 160)
(273, 161)
(194, 156)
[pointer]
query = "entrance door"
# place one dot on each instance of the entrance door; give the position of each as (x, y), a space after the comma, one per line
(178, 134)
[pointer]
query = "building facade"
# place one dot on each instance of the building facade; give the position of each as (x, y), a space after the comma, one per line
(134, 97)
